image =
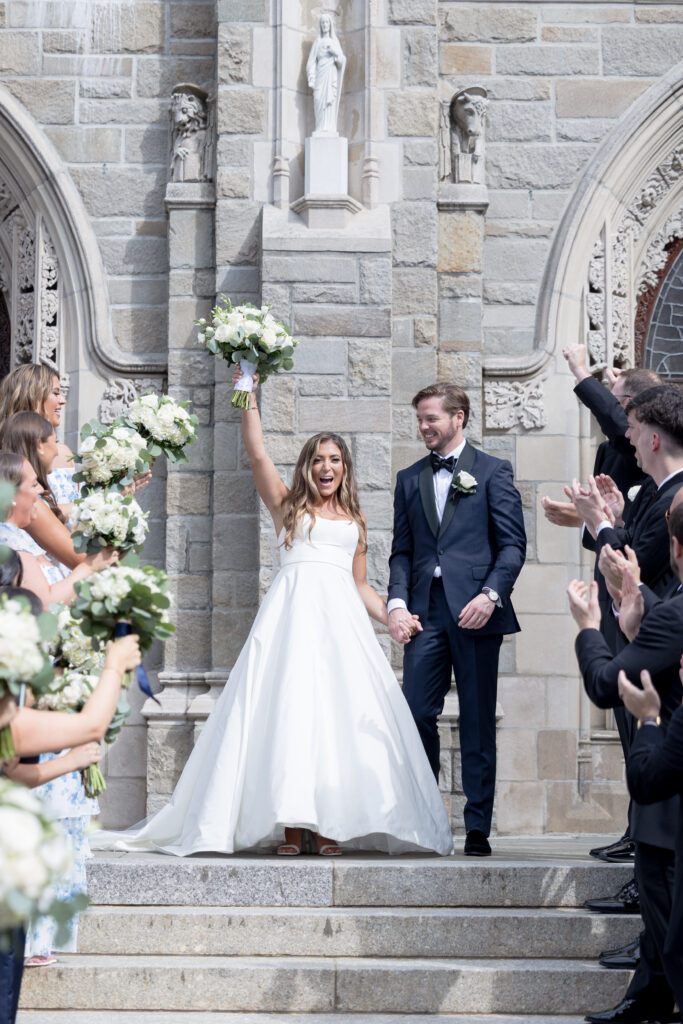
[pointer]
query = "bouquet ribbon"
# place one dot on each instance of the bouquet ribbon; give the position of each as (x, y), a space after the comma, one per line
(246, 381)
(123, 629)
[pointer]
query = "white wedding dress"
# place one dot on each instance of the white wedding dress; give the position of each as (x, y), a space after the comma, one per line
(311, 730)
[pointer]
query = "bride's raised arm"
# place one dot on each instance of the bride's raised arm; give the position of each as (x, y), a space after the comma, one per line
(269, 485)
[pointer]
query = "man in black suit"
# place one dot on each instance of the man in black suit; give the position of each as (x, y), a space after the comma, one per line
(459, 544)
(655, 772)
(655, 643)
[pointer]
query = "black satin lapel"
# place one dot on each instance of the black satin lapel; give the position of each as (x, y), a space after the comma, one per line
(464, 465)
(426, 482)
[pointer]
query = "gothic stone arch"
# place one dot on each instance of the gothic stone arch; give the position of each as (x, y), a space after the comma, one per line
(51, 274)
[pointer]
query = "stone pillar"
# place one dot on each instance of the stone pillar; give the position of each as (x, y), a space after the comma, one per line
(189, 556)
(334, 288)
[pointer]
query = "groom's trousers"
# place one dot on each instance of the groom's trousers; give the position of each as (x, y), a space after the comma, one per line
(427, 664)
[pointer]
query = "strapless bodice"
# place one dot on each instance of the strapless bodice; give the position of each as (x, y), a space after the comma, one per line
(331, 542)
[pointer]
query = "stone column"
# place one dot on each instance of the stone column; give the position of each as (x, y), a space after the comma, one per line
(189, 555)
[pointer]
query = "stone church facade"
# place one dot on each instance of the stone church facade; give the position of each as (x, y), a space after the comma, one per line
(470, 251)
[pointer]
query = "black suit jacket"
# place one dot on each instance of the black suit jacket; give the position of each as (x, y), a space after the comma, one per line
(616, 456)
(655, 766)
(480, 542)
(647, 533)
(657, 647)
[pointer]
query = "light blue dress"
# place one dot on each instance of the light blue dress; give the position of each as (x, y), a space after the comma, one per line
(64, 796)
(62, 485)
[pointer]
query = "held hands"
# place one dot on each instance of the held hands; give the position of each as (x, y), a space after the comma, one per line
(643, 703)
(403, 626)
(83, 756)
(583, 604)
(123, 655)
(101, 559)
(476, 612)
(237, 375)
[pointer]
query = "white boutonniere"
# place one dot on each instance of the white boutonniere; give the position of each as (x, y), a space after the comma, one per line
(462, 483)
(632, 491)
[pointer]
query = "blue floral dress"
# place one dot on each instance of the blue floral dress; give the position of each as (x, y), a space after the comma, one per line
(62, 485)
(64, 796)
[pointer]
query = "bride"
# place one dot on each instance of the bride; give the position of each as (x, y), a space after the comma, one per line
(312, 730)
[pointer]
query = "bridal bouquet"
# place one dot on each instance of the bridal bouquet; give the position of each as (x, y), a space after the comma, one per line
(69, 691)
(108, 518)
(124, 593)
(71, 648)
(23, 655)
(110, 456)
(35, 857)
(166, 425)
(250, 336)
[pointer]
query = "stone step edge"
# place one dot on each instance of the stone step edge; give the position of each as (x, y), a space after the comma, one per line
(183, 910)
(216, 1017)
(81, 961)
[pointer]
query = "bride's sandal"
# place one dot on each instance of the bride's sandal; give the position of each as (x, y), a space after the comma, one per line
(292, 844)
(327, 847)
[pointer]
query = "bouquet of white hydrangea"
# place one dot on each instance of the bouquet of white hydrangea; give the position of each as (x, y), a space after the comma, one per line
(110, 456)
(23, 655)
(69, 691)
(108, 518)
(166, 425)
(250, 336)
(34, 857)
(124, 593)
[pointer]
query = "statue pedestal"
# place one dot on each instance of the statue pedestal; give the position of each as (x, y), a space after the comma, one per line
(327, 165)
(326, 203)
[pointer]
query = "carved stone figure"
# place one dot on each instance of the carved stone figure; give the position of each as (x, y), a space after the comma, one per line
(191, 134)
(325, 73)
(461, 137)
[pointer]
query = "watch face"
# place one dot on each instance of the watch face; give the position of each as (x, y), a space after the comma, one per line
(492, 594)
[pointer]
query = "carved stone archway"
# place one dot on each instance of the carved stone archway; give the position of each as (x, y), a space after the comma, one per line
(613, 238)
(51, 270)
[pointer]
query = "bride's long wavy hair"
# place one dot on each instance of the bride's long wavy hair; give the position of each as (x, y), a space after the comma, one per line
(304, 494)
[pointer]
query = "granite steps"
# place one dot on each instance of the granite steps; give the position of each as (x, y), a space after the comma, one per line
(363, 938)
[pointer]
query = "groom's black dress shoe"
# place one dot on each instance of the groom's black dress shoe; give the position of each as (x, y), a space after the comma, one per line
(476, 844)
(624, 902)
(622, 851)
(630, 1011)
(623, 959)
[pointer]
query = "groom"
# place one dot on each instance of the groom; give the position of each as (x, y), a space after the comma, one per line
(458, 547)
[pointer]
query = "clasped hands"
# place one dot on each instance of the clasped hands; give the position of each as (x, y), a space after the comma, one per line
(476, 613)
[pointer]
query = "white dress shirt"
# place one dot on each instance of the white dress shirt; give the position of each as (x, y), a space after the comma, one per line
(442, 483)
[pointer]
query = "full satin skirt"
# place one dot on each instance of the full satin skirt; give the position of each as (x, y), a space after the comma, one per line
(311, 730)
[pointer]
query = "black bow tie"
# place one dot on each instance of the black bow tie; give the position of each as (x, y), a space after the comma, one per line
(438, 462)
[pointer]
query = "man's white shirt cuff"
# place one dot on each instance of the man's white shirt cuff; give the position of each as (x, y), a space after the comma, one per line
(396, 602)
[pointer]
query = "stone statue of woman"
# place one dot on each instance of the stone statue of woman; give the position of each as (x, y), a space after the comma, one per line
(325, 73)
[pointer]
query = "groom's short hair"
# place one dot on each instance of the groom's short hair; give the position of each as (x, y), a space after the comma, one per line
(452, 396)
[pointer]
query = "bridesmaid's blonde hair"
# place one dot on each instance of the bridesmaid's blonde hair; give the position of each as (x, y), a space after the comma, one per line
(303, 494)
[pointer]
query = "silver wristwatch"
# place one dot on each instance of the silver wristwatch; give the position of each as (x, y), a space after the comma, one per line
(492, 595)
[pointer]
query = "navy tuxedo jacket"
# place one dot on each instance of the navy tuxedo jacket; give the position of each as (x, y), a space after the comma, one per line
(480, 541)
(616, 456)
(655, 766)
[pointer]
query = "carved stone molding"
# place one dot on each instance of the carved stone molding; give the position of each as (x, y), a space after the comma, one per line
(121, 391)
(509, 403)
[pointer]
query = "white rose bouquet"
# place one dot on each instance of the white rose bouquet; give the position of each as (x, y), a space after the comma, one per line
(124, 593)
(108, 518)
(250, 336)
(24, 657)
(110, 456)
(166, 425)
(34, 857)
(68, 692)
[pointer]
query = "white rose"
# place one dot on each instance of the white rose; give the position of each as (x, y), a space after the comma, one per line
(223, 333)
(21, 831)
(466, 479)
